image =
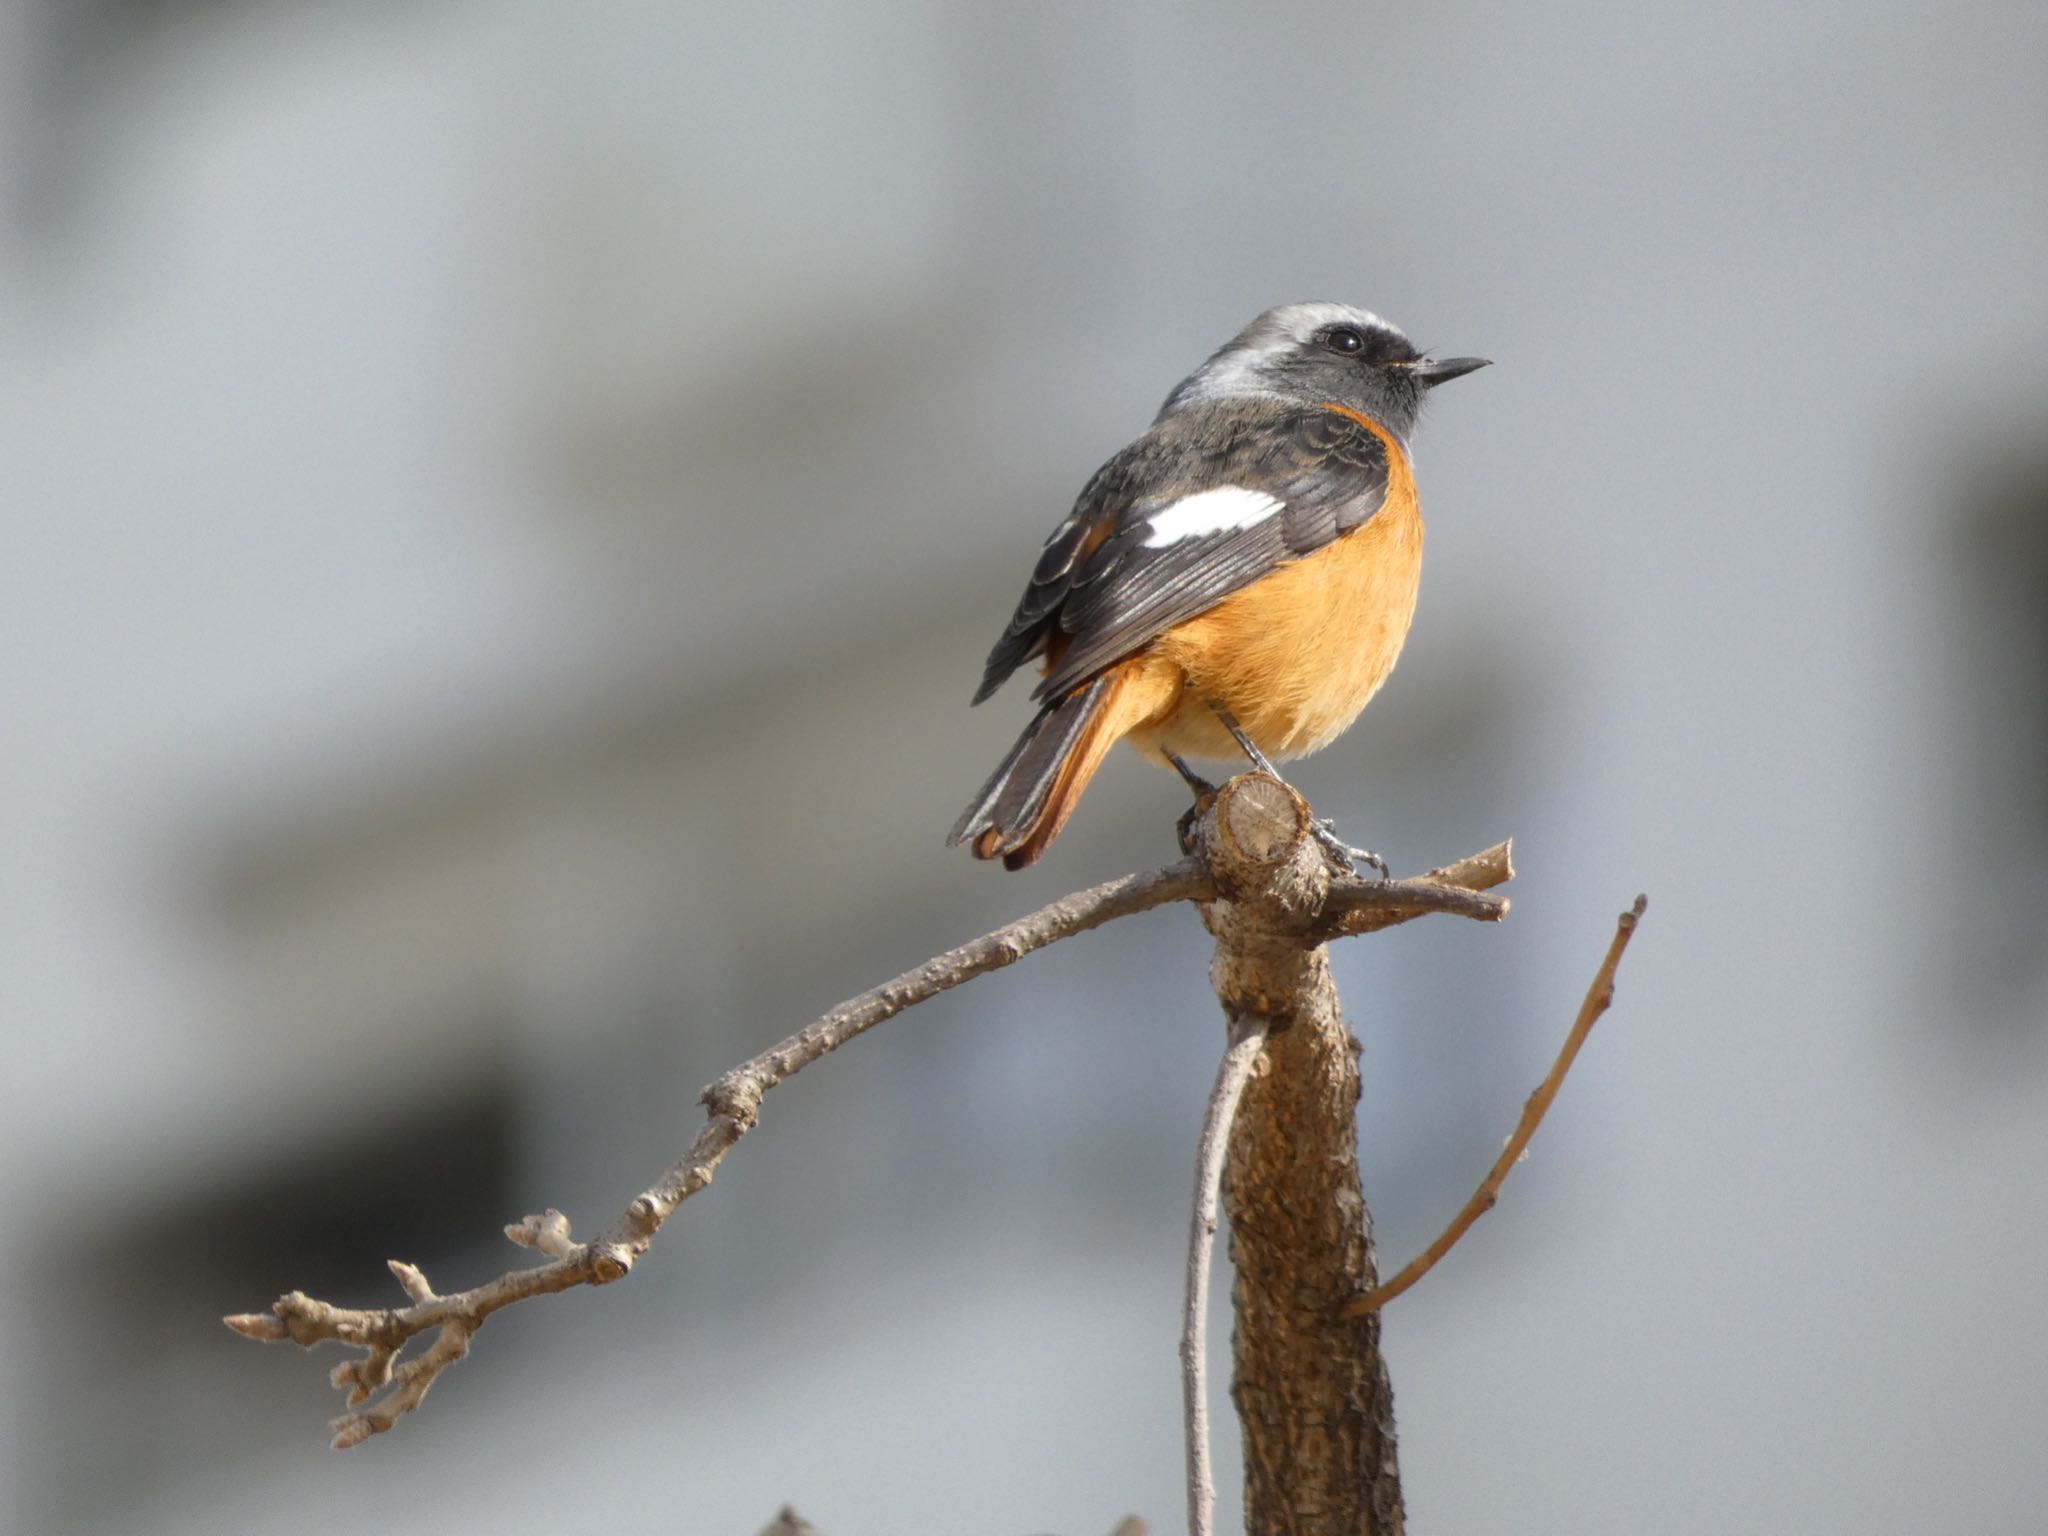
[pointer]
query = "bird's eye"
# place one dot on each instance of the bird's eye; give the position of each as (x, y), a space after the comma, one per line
(1343, 339)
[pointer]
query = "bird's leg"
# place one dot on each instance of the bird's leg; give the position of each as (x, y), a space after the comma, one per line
(1342, 854)
(1251, 748)
(1192, 779)
(1204, 792)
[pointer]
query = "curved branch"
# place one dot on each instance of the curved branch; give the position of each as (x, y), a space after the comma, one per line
(1247, 1039)
(1599, 998)
(732, 1104)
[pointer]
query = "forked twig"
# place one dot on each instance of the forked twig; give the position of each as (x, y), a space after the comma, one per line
(381, 1388)
(1598, 999)
(732, 1105)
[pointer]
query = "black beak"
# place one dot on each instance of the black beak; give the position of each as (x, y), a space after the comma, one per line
(1434, 371)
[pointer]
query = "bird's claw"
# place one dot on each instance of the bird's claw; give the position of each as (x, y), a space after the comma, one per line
(1345, 858)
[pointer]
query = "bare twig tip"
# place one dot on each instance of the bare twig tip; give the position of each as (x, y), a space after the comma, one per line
(267, 1327)
(352, 1429)
(410, 1279)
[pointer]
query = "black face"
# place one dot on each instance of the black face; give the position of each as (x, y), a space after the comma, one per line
(1368, 368)
(1369, 345)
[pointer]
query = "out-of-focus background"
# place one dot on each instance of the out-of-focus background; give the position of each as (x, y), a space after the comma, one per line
(505, 505)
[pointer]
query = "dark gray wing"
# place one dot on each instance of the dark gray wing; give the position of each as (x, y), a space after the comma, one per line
(1112, 577)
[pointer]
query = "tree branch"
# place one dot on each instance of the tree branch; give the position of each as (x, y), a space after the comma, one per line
(1599, 998)
(1265, 892)
(1247, 1037)
(732, 1105)
(1461, 890)
(1311, 1388)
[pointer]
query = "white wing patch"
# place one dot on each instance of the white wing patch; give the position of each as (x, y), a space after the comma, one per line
(1222, 510)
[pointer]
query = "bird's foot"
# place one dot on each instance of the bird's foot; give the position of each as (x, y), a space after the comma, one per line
(1344, 858)
(1202, 787)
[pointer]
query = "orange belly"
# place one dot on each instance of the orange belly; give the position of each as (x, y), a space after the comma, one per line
(1297, 654)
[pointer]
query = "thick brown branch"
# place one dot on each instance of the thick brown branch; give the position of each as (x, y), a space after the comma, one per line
(1310, 1384)
(1310, 1387)
(1599, 997)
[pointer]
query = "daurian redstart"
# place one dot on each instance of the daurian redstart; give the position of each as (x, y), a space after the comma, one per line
(1241, 577)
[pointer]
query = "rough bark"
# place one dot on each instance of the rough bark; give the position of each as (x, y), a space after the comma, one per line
(1309, 1383)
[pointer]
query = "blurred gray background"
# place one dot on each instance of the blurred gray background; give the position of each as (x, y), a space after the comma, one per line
(504, 508)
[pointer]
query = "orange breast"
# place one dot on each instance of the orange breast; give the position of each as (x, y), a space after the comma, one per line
(1297, 654)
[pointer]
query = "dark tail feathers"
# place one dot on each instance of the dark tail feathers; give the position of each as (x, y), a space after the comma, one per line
(1004, 818)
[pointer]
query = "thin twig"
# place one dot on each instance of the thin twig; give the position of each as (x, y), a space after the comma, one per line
(732, 1105)
(1460, 890)
(1247, 1036)
(1598, 999)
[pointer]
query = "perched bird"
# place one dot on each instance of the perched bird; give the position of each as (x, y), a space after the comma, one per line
(1241, 577)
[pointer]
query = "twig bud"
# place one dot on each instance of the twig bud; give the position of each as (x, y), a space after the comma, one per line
(410, 1278)
(265, 1326)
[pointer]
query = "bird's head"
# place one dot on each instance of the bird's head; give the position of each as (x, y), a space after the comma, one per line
(1322, 352)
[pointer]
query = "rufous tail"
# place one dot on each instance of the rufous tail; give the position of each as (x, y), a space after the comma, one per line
(1033, 791)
